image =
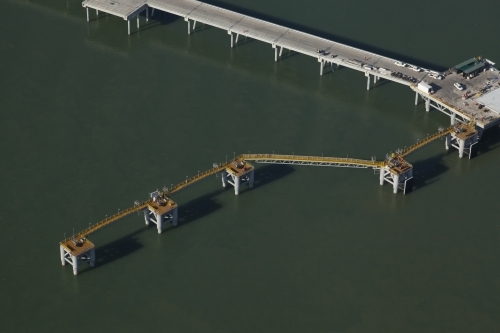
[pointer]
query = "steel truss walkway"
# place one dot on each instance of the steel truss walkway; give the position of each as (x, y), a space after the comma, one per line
(394, 169)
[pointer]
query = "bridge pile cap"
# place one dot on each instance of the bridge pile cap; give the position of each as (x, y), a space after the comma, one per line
(239, 167)
(398, 167)
(466, 133)
(162, 209)
(75, 250)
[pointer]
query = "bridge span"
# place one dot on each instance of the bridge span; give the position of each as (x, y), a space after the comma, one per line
(160, 209)
(444, 96)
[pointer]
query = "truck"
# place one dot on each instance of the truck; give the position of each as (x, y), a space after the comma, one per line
(426, 88)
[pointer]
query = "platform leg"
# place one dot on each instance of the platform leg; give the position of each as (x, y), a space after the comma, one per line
(427, 104)
(97, 12)
(75, 264)
(152, 13)
(236, 185)
(128, 23)
(416, 98)
(321, 65)
(251, 179)
(452, 118)
(92, 258)
(147, 14)
(232, 41)
(236, 41)
(275, 54)
(461, 145)
(224, 178)
(281, 51)
(194, 25)
(447, 142)
(175, 217)
(368, 81)
(395, 179)
(87, 14)
(382, 174)
(61, 250)
(146, 216)
(159, 222)
(137, 21)
(189, 27)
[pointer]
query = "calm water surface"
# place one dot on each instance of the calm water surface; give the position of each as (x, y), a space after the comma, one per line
(92, 119)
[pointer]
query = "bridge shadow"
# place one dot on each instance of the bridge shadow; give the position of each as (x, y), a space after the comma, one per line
(323, 34)
(490, 140)
(427, 172)
(270, 173)
(115, 250)
(207, 204)
(198, 208)
(188, 212)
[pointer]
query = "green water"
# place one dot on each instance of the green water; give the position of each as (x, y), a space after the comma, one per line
(93, 119)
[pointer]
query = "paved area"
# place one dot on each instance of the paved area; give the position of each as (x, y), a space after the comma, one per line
(466, 101)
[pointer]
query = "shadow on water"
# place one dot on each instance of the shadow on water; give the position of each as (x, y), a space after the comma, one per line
(207, 204)
(270, 173)
(323, 34)
(199, 207)
(490, 140)
(116, 249)
(427, 171)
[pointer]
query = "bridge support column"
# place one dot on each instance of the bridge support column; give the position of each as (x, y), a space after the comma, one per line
(189, 25)
(159, 222)
(447, 142)
(427, 104)
(461, 148)
(368, 81)
(97, 12)
(416, 98)
(236, 184)
(251, 179)
(146, 216)
(452, 118)
(92, 258)
(382, 175)
(321, 66)
(137, 21)
(281, 50)
(275, 53)
(74, 259)
(61, 250)
(88, 19)
(152, 12)
(128, 24)
(236, 40)
(194, 25)
(224, 178)
(395, 184)
(175, 217)
(147, 14)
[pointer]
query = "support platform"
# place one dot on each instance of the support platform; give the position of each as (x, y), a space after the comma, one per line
(77, 251)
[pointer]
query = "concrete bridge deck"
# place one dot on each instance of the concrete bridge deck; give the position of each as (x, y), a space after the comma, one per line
(371, 64)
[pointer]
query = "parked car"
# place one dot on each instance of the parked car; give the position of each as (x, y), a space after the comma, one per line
(400, 64)
(459, 86)
(415, 68)
(436, 76)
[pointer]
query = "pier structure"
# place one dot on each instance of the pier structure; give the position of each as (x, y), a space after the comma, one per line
(444, 97)
(160, 209)
(237, 173)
